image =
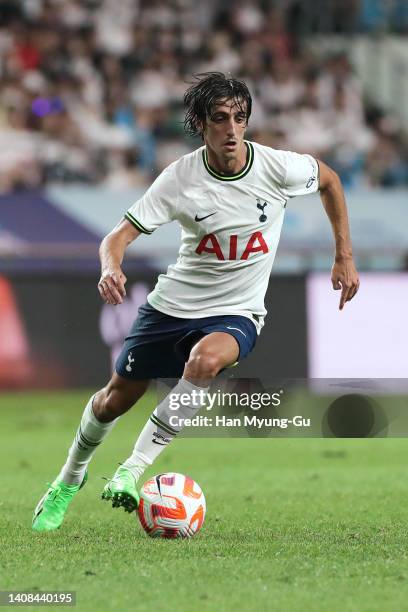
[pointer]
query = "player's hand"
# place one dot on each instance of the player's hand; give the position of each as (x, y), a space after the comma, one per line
(344, 276)
(112, 286)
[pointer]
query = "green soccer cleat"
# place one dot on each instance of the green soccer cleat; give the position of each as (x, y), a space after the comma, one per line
(121, 490)
(51, 508)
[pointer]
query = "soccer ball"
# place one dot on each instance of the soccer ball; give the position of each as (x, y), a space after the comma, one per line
(171, 506)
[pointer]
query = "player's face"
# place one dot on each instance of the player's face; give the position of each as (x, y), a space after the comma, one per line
(224, 130)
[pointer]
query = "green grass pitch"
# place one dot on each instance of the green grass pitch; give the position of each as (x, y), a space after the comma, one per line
(292, 524)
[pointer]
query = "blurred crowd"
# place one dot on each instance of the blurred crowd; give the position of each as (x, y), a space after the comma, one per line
(91, 90)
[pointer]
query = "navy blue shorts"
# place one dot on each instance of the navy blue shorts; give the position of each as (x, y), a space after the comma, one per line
(159, 345)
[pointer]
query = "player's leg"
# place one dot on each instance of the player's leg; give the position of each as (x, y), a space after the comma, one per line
(207, 358)
(99, 417)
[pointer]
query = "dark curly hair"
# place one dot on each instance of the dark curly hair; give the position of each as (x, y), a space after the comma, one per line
(208, 90)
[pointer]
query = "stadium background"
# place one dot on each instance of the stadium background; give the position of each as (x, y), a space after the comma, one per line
(90, 112)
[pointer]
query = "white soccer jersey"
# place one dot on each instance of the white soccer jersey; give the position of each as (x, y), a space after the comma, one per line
(230, 229)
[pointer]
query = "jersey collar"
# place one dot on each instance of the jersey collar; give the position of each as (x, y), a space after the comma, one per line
(231, 177)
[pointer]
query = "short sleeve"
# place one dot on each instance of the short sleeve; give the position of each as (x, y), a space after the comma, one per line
(301, 174)
(157, 206)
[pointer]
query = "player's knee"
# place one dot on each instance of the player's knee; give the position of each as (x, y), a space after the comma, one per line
(202, 364)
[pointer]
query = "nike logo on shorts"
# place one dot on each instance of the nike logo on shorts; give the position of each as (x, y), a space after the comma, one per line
(197, 218)
(236, 329)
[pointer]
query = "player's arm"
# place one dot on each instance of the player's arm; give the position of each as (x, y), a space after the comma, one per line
(111, 252)
(344, 274)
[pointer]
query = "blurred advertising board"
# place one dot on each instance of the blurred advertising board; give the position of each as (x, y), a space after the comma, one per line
(57, 333)
(369, 338)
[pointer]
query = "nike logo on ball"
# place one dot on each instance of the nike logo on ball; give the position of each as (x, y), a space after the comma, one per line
(197, 218)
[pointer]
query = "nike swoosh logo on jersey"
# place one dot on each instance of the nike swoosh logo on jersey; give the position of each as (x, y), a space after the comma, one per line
(197, 218)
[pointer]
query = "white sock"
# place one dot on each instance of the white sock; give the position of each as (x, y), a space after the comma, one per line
(158, 433)
(89, 435)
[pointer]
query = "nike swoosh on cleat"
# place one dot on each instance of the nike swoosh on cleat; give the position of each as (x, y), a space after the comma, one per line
(197, 218)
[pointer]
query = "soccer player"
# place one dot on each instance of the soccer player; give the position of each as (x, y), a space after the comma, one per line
(205, 313)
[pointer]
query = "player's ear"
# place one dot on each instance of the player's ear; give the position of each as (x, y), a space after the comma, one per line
(201, 128)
